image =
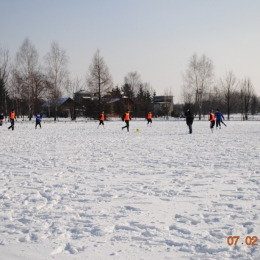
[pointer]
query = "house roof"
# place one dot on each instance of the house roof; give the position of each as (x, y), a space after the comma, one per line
(113, 100)
(81, 91)
(50, 102)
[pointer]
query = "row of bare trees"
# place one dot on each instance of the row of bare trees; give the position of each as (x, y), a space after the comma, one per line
(202, 92)
(26, 84)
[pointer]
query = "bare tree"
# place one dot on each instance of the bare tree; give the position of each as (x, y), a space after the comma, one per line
(40, 86)
(57, 71)
(37, 90)
(15, 90)
(198, 79)
(186, 95)
(26, 64)
(4, 73)
(246, 95)
(211, 100)
(99, 79)
(73, 86)
(133, 80)
(229, 85)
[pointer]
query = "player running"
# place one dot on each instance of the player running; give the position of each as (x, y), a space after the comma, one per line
(101, 119)
(126, 118)
(219, 119)
(149, 118)
(189, 120)
(212, 120)
(38, 120)
(12, 117)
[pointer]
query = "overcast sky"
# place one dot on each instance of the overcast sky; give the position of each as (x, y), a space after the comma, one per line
(156, 38)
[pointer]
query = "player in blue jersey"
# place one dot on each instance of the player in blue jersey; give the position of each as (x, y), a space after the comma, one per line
(219, 119)
(38, 120)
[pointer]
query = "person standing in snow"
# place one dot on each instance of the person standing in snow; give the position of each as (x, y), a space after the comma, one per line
(219, 119)
(38, 120)
(1, 119)
(12, 117)
(189, 120)
(126, 118)
(212, 120)
(101, 119)
(149, 118)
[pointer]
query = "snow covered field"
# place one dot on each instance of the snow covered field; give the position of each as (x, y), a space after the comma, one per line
(72, 191)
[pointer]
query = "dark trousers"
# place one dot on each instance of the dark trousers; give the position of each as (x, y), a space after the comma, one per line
(127, 125)
(190, 128)
(149, 121)
(38, 123)
(212, 123)
(101, 122)
(218, 123)
(12, 124)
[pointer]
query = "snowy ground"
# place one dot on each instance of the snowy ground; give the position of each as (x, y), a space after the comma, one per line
(72, 191)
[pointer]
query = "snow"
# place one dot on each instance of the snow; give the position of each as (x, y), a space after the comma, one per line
(72, 191)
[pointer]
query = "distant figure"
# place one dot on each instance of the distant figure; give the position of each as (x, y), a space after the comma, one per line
(38, 120)
(219, 119)
(126, 118)
(12, 117)
(149, 118)
(1, 119)
(101, 119)
(212, 120)
(189, 120)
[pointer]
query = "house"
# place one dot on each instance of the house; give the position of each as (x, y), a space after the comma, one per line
(83, 95)
(163, 105)
(114, 106)
(62, 107)
(119, 105)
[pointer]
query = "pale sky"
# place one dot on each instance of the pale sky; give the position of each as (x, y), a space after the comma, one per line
(156, 38)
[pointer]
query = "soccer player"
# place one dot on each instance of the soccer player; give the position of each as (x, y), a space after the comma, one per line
(189, 120)
(101, 119)
(12, 117)
(212, 120)
(219, 119)
(149, 118)
(126, 118)
(38, 120)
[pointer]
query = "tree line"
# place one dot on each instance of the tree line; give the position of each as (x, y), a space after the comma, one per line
(201, 91)
(26, 83)
(135, 95)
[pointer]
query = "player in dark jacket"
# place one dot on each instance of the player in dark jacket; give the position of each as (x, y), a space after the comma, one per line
(38, 120)
(1, 119)
(219, 119)
(189, 120)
